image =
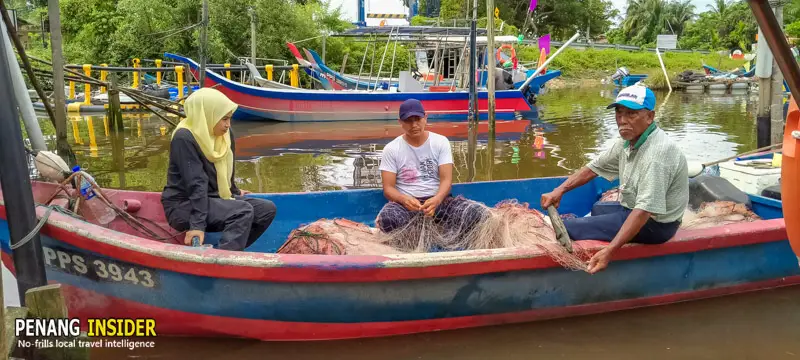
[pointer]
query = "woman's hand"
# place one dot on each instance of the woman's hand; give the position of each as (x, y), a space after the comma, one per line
(192, 233)
(244, 192)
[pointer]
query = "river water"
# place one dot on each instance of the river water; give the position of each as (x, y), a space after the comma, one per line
(570, 127)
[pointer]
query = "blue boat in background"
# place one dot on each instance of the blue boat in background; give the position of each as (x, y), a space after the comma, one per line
(623, 78)
(630, 80)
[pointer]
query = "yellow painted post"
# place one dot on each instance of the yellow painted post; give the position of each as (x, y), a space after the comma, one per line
(269, 69)
(103, 76)
(294, 76)
(72, 90)
(179, 74)
(92, 139)
(136, 74)
(158, 74)
(228, 72)
(87, 89)
(76, 133)
(105, 124)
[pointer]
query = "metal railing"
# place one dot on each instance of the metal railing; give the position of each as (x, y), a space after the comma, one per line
(618, 47)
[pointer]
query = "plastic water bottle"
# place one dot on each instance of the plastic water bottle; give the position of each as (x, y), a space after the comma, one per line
(86, 186)
(96, 208)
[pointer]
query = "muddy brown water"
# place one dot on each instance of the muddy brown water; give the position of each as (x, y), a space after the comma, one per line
(761, 325)
(571, 128)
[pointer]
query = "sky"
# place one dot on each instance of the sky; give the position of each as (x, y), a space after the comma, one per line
(350, 8)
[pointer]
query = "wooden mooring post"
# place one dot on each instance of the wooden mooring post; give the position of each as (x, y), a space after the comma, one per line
(44, 302)
(188, 76)
(114, 110)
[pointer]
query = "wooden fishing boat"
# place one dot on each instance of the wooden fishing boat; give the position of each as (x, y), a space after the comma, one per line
(312, 105)
(113, 271)
(351, 82)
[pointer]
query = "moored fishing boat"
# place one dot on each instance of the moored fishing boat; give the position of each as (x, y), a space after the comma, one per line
(350, 82)
(311, 105)
(113, 271)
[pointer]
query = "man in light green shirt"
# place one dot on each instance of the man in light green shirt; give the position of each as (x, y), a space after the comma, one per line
(654, 183)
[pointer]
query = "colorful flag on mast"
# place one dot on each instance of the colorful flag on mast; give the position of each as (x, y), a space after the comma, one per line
(544, 43)
(532, 6)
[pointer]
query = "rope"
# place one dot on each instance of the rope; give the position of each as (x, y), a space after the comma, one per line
(35, 230)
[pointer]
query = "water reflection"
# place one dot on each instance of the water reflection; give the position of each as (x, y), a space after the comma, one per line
(572, 127)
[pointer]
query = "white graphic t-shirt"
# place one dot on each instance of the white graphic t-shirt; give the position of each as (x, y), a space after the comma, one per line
(417, 168)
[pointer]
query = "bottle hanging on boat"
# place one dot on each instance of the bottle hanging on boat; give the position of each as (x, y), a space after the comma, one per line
(94, 209)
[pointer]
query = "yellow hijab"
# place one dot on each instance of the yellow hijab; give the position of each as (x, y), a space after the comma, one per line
(204, 109)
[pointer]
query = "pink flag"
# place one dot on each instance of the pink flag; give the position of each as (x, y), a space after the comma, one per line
(544, 43)
(533, 5)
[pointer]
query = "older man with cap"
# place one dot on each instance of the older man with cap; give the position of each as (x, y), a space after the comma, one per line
(417, 173)
(654, 184)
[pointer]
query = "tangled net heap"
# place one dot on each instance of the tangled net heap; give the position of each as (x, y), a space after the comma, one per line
(710, 214)
(718, 213)
(509, 224)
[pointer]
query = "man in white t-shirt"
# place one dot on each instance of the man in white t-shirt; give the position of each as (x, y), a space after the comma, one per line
(417, 173)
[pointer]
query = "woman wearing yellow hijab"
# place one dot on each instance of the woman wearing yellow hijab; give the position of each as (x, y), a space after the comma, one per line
(200, 195)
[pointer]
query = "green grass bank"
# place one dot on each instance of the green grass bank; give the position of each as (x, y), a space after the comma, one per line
(597, 63)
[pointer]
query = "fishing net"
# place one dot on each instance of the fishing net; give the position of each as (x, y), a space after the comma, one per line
(472, 226)
(717, 213)
(336, 237)
(610, 195)
(710, 214)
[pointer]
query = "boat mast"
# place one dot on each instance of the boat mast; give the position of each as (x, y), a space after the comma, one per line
(364, 59)
(490, 64)
(380, 68)
(253, 35)
(203, 44)
(473, 95)
(391, 70)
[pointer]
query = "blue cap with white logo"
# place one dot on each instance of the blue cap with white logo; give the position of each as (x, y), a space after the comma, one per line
(635, 97)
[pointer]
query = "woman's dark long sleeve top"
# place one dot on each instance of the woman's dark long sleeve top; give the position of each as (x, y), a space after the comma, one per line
(191, 177)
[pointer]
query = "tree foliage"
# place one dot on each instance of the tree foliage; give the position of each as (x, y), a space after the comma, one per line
(725, 24)
(116, 31)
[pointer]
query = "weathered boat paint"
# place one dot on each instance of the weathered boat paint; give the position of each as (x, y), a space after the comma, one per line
(313, 105)
(257, 294)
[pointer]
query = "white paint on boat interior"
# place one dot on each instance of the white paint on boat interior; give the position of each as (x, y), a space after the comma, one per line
(10, 292)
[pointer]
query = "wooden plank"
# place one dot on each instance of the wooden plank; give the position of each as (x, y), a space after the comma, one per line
(12, 313)
(46, 302)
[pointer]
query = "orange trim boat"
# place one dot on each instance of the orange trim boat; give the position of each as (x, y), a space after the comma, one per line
(790, 168)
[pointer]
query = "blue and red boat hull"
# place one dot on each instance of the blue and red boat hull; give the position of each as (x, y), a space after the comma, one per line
(260, 295)
(314, 105)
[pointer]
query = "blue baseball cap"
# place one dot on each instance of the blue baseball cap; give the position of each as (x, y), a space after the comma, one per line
(411, 107)
(635, 97)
